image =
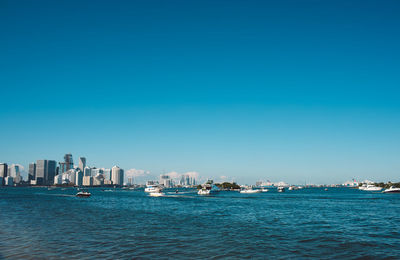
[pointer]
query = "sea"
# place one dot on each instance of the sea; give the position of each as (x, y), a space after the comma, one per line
(311, 223)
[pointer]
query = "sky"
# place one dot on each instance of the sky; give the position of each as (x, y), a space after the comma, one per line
(300, 91)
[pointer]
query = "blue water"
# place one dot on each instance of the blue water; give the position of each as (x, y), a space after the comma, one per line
(37, 223)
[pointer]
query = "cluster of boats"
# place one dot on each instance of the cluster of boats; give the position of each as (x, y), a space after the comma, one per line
(155, 190)
(371, 187)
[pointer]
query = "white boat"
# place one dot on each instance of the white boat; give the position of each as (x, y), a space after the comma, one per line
(281, 189)
(208, 188)
(392, 190)
(249, 191)
(372, 188)
(264, 190)
(83, 194)
(151, 186)
(204, 191)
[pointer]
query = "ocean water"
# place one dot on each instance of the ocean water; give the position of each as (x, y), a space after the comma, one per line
(36, 223)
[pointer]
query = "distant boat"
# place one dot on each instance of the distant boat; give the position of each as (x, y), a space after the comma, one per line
(249, 191)
(281, 189)
(264, 190)
(208, 188)
(392, 190)
(371, 188)
(83, 194)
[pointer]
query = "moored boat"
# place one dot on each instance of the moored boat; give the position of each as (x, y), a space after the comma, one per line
(392, 190)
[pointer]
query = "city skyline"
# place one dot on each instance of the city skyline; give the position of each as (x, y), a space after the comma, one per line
(286, 91)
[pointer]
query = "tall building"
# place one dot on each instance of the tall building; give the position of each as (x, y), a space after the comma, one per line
(45, 172)
(82, 163)
(117, 175)
(32, 172)
(68, 163)
(79, 178)
(3, 172)
(87, 171)
(14, 172)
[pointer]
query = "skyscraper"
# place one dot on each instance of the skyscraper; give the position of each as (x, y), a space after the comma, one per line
(3, 172)
(67, 164)
(45, 172)
(82, 163)
(117, 176)
(32, 172)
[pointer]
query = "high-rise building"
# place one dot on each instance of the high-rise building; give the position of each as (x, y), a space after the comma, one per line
(9, 181)
(67, 164)
(82, 163)
(79, 178)
(3, 172)
(45, 172)
(87, 171)
(117, 175)
(32, 172)
(14, 172)
(87, 181)
(107, 174)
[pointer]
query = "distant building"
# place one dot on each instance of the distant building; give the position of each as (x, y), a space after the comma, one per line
(107, 182)
(87, 171)
(98, 180)
(9, 181)
(82, 163)
(117, 175)
(166, 181)
(32, 172)
(45, 172)
(107, 174)
(87, 181)
(79, 178)
(67, 164)
(3, 172)
(58, 179)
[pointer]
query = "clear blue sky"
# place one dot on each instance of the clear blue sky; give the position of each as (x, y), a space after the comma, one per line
(279, 90)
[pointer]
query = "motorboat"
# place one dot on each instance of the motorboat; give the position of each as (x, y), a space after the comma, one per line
(264, 190)
(157, 193)
(250, 191)
(151, 186)
(208, 188)
(372, 188)
(83, 194)
(204, 191)
(281, 189)
(392, 190)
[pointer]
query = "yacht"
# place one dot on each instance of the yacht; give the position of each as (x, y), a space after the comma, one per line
(156, 193)
(151, 186)
(208, 188)
(281, 189)
(250, 190)
(264, 190)
(392, 190)
(372, 188)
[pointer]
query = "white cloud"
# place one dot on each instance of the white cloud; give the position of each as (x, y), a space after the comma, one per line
(137, 173)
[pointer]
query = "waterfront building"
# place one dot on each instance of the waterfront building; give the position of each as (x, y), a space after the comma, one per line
(107, 174)
(58, 179)
(107, 182)
(117, 175)
(3, 172)
(79, 178)
(45, 172)
(87, 181)
(130, 181)
(32, 172)
(14, 172)
(87, 171)
(82, 163)
(98, 180)
(9, 181)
